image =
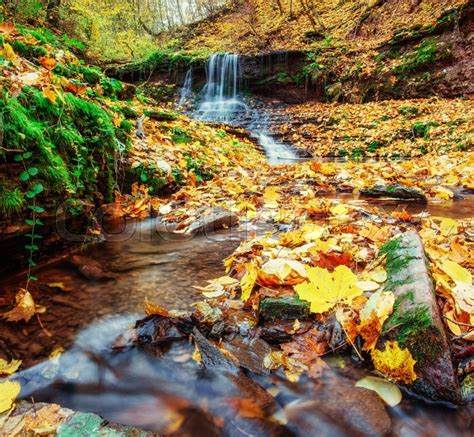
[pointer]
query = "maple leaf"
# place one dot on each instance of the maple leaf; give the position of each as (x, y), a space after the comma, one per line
(395, 363)
(9, 368)
(248, 281)
(325, 290)
(25, 307)
(9, 390)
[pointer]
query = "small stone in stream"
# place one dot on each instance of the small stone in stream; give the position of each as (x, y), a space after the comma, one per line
(416, 322)
(401, 192)
(282, 331)
(91, 269)
(338, 408)
(283, 308)
(213, 220)
(250, 352)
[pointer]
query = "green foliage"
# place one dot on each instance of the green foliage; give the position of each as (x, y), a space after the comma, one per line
(11, 200)
(28, 51)
(409, 111)
(73, 42)
(425, 54)
(180, 136)
(420, 129)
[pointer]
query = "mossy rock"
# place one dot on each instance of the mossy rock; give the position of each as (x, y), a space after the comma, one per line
(416, 321)
(283, 308)
(401, 192)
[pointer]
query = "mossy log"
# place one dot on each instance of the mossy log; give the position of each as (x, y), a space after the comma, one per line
(416, 321)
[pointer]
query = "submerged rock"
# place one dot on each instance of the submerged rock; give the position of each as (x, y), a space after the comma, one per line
(416, 321)
(213, 220)
(339, 409)
(401, 192)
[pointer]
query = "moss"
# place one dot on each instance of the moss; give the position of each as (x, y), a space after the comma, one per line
(28, 51)
(391, 246)
(11, 201)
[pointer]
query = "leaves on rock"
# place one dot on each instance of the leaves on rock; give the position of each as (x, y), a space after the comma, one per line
(395, 363)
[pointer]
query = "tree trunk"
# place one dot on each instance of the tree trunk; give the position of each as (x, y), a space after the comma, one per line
(52, 12)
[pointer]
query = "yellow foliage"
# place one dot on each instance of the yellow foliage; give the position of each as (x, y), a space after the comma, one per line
(395, 363)
(325, 290)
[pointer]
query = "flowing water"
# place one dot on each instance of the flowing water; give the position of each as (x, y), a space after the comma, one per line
(163, 389)
(222, 101)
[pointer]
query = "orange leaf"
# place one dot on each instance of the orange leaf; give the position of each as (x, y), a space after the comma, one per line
(331, 260)
(47, 62)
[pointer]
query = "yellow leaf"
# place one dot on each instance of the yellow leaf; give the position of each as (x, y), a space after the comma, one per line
(25, 307)
(395, 363)
(271, 197)
(340, 210)
(456, 272)
(282, 267)
(325, 290)
(50, 94)
(388, 391)
(9, 390)
(9, 368)
(9, 52)
(448, 227)
(248, 281)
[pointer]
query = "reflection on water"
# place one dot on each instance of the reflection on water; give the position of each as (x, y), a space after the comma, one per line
(132, 386)
(164, 390)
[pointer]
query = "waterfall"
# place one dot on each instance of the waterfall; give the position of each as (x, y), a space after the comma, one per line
(222, 102)
(187, 88)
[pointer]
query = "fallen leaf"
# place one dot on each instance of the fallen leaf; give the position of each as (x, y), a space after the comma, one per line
(248, 281)
(395, 363)
(9, 368)
(25, 307)
(9, 390)
(325, 290)
(388, 391)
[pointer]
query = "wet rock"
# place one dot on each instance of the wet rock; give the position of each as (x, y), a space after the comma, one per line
(283, 308)
(401, 192)
(339, 409)
(213, 220)
(249, 352)
(416, 321)
(91, 269)
(282, 331)
(467, 388)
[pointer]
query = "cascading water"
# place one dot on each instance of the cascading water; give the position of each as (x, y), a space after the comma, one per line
(187, 89)
(222, 102)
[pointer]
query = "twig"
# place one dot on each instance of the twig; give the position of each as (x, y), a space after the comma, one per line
(11, 150)
(459, 323)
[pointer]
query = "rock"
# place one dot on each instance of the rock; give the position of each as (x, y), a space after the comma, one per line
(283, 308)
(395, 192)
(91, 269)
(339, 409)
(416, 321)
(249, 352)
(213, 220)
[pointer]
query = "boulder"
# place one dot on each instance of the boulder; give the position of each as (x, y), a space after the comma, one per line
(401, 192)
(416, 321)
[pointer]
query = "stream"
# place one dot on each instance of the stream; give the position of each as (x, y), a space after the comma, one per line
(165, 390)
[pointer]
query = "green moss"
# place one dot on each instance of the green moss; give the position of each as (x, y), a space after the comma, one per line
(28, 51)
(391, 246)
(11, 201)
